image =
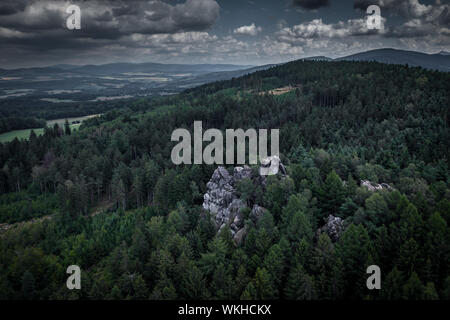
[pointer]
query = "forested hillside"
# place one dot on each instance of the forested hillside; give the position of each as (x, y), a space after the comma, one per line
(118, 207)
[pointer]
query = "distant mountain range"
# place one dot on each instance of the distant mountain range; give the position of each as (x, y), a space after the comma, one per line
(318, 58)
(439, 61)
(120, 68)
(65, 83)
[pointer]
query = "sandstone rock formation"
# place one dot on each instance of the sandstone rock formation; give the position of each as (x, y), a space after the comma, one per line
(222, 201)
(272, 165)
(221, 198)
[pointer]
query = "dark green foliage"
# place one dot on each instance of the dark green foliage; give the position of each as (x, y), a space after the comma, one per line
(300, 285)
(17, 123)
(28, 283)
(353, 249)
(116, 205)
(331, 195)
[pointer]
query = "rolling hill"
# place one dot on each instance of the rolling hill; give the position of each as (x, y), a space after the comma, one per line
(439, 61)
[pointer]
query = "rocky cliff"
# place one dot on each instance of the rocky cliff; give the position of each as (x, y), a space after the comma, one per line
(222, 201)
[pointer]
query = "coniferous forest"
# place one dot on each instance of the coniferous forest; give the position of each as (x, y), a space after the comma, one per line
(108, 198)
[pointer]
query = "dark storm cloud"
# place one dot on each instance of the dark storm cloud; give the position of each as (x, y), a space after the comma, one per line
(39, 26)
(7, 7)
(310, 4)
(363, 4)
(444, 17)
(34, 32)
(404, 8)
(124, 10)
(101, 18)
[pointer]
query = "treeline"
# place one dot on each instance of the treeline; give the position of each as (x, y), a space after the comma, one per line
(18, 123)
(343, 122)
(37, 109)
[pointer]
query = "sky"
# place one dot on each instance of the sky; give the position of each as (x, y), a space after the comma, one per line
(248, 32)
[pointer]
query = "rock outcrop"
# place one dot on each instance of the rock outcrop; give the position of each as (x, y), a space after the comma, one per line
(222, 200)
(256, 213)
(333, 228)
(372, 186)
(272, 165)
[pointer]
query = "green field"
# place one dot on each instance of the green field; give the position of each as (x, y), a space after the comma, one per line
(19, 134)
(61, 122)
(25, 133)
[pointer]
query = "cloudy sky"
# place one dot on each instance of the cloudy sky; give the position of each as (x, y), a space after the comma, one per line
(34, 32)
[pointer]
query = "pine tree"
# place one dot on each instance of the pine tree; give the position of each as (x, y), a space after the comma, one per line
(222, 285)
(138, 189)
(119, 191)
(376, 212)
(240, 281)
(193, 285)
(116, 294)
(438, 246)
(353, 250)
(274, 264)
(351, 186)
(140, 290)
(261, 287)
(446, 289)
(392, 285)
(28, 285)
(139, 248)
(295, 203)
(299, 228)
(430, 292)
(298, 174)
(326, 268)
(331, 195)
(67, 130)
(300, 285)
(151, 173)
(413, 288)
(246, 188)
(409, 257)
